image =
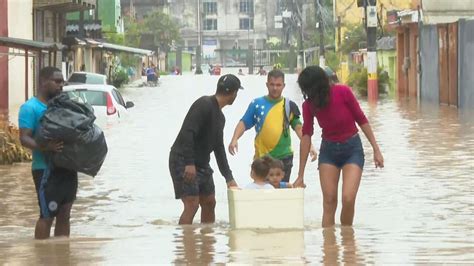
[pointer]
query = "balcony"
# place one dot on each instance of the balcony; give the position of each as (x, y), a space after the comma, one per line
(64, 5)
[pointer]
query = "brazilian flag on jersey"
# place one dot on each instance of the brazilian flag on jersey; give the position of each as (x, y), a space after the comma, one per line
(268, 118)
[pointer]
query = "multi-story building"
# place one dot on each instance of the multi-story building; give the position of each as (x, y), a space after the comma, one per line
(138, 9)
(28, 46)
(226, 29)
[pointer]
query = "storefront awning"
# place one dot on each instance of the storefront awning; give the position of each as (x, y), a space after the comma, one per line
(64, 5)
(28, 44)
(93, 42)
(125, 49)
(71, 40)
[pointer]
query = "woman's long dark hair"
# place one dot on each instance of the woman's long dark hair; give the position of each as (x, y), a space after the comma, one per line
(315, 86)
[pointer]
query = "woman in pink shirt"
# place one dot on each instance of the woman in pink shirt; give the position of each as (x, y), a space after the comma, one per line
(337, 112)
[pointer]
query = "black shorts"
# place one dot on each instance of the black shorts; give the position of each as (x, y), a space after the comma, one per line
(287, 164)
(203, 184)
(53, 190)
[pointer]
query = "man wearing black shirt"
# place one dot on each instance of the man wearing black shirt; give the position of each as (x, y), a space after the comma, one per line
(202, 133)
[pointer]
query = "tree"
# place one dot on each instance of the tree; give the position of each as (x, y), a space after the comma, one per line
(353, 38)
(165, 31)
(117, 38)
(311, 33)
(133, 33)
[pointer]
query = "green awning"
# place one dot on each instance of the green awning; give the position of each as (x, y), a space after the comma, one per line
(125, 49)
(28, 44)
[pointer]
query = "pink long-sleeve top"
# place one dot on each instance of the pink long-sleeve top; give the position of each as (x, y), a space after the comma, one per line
(338, 118)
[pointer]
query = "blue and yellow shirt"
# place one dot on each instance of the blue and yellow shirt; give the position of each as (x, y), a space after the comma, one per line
(268, 117)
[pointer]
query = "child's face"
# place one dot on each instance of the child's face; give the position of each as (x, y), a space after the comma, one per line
(275, 176)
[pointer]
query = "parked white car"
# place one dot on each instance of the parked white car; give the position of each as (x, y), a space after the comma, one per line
(87, 78)
(106, 100)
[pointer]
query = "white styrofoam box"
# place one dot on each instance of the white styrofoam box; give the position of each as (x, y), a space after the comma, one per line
(273, 243)
(266, 208)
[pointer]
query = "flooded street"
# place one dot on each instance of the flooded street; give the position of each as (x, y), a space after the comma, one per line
(418, 209)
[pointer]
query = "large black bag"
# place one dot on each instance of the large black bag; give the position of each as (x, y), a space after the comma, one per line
(85, 147)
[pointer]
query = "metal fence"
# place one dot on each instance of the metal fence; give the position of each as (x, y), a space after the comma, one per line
(466, 64)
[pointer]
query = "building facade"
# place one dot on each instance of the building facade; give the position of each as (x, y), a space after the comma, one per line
(434, 52)
(224, 29)
(28, 46)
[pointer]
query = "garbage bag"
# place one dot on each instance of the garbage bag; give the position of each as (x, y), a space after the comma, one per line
(85, 147)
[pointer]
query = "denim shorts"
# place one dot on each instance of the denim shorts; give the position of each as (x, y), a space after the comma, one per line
(342, 153)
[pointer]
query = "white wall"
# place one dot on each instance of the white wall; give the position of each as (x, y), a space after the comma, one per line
(20, 25)
(444, 11)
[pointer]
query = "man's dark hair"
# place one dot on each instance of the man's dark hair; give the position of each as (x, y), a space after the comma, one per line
(276, 73)
(261, 166)
(47, 72)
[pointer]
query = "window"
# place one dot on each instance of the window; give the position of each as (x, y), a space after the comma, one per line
(118, 98)
(246, 24)
(94, 98)
(210, 24)
(210, 8)
(87, 78)
(246, 6)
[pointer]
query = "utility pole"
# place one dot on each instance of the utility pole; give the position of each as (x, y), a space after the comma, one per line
(370, 9)
(250, 48)
(318, 6)
(300, 57)
(199, 45)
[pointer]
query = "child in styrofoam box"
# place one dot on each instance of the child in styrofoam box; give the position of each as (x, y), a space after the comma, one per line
(276, 174)
(259, 173)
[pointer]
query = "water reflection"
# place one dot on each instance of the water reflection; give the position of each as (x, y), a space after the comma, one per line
(195, 245)
(343, 250)
(54, 251)
(255, 247)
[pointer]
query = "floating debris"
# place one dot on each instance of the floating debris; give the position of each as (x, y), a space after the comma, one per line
(11, 150)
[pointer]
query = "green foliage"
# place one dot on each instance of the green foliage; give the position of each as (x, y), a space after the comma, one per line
(120, 77)
(116, 38)
(282, 60)
(358, 80)
(311, 33)
(332, 60)
(165, 31)
(355, 35)
(132, 36)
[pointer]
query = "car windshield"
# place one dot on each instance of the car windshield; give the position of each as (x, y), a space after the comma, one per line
(86, 79)
(94, 98)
